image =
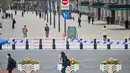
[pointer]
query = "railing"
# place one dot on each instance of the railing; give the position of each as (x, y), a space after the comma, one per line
(62, 44)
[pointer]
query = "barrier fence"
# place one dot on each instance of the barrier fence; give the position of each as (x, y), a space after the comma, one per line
(54, 44)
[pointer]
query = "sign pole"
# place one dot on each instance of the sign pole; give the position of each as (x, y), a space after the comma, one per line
(65, 25)
(59, 22)
(54, 19)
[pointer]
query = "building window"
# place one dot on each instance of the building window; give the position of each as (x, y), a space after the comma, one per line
(122, 1)
(127, 1)
(117, 1)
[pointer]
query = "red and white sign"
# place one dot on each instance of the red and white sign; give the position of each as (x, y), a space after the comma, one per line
(64, 4)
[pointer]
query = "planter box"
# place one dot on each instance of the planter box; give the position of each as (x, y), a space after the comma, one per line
(110, 67)
(74, 67)
(28, 68)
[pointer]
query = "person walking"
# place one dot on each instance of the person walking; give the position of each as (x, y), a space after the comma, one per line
(127, 24)
(9, 15)
(40, 15)
(11, 63)
(36, 13)
(15, 12)
(79, 21)
(22, 13)
(80, 14)
(89, 18)
(47, 30)
(25, 30)
(0, 28)
(108, 19)
(92, 19)
(13, 23)
(104, 32)
(64, 62)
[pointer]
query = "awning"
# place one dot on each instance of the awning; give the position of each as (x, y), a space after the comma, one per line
(98, 5)
(118, 7)
(84, 3)
(3, 41)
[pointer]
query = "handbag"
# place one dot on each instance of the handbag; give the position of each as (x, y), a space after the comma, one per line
(26, 30)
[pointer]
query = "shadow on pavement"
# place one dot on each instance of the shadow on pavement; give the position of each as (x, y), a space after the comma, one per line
(14, 71)
(104, 24)
(117, 29)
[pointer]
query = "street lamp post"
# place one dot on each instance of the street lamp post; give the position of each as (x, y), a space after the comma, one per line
(65, 25)
(58, 3)
(46, 12)
(54, 13)
(127, 1)
(47, 15)
(50, 10)
(59, 21)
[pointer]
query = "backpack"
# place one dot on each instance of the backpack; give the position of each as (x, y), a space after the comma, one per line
(46, 28)
(26, 30)
(68, 62)
(14, 63)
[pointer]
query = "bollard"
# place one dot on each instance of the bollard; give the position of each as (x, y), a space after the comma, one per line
(95, 44)
(53, 44)
(67, 45)
(27, 45)
(108, 45)
(0, 66)
(40, 44)
(0, 46)
(13, 45)
(81, 44)
(126, 45)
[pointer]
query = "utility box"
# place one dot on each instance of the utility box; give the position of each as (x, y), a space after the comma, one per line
(71, 32)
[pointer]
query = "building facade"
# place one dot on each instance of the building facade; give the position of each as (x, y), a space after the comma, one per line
(101, 13)
(120, 15)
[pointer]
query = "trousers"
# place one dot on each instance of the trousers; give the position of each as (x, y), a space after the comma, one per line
(10, 71)
(63, 70)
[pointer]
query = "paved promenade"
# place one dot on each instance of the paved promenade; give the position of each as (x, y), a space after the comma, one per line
(36, 28)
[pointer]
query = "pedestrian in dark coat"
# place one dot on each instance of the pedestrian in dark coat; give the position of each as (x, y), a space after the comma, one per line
(108, 19)
(36, 13)
(11, 63)
(13, 23)
(89, 18)
(9, 15)
(127, 24)
(40, 15)
(22, 13)
(64, 62)
(6, 15)
(15, 12)
(80, 14)
(92, 19)
(79, 21)
(47, 31)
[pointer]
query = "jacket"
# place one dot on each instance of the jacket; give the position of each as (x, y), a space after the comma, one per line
(64, 61)
(11, 64)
